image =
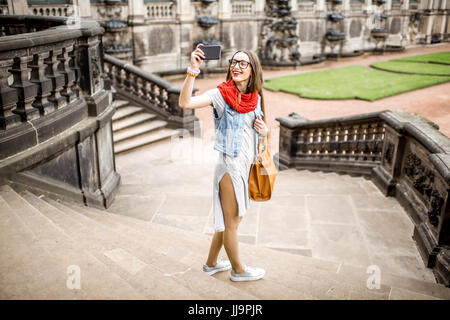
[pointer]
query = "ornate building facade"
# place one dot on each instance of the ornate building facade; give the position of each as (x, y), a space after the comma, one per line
(158, 35)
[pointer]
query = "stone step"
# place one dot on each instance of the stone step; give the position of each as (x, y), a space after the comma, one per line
(187, 237)
(412, 285)
(151, 273)
(181, 249)
(304, 272)
(144, 139)
(120, 103)
(22, 261)
(97, 281)
(125, 112)
(138, 130)
(131, 121)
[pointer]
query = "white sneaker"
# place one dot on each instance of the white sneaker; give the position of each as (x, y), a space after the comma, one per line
(249, 274)
(221, 265)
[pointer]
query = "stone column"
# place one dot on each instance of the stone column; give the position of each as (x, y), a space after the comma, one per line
(428, 22)
(184, 10)
(185, 16)
(388, 6)
(320, 5)
(224, 11)
(347, 43)
(260, 6)
(294, 5)
(346, 6)
(136, 10)
(83, 8)
(405, 5)
(17, 7)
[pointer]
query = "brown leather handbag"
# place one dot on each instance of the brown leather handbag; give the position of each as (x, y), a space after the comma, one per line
(262, 175)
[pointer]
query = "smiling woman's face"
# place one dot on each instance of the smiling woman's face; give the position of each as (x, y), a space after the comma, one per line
(237, 73)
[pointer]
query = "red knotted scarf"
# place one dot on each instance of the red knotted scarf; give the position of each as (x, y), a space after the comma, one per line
(241, 102)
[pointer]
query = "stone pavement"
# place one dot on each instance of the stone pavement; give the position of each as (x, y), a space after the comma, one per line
(332, 217)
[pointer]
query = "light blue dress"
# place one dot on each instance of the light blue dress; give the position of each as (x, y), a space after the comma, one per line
(238, 168)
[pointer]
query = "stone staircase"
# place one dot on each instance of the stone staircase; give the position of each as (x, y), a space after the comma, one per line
(121, 257)
(133, 127)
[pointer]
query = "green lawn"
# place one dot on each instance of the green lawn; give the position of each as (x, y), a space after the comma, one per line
(413, 67)
(352, 82)
(437, 57)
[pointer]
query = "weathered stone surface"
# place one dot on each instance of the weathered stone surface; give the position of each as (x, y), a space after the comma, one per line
(355, 28)
(247, 36)
(161, 40)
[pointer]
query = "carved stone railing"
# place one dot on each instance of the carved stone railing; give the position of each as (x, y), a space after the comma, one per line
(404, 154)
(54, 10)
(160, 10)
(350, 144)
(55, 108)
(151, 92)
(242, 8)
(4, 9)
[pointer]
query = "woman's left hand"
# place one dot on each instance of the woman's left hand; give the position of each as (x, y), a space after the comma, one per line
(260, 127)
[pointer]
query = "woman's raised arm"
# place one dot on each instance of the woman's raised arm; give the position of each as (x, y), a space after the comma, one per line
(186, 100)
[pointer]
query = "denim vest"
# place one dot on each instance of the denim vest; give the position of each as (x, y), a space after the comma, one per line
(230, 127)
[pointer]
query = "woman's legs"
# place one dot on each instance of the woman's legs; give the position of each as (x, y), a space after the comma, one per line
(216, 245)
(229, 237)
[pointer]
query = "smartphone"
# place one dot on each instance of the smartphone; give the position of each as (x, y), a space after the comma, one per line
(212, 52)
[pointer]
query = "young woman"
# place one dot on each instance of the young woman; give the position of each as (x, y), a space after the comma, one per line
(237, 110)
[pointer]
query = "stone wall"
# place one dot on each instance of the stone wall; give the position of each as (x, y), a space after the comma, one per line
(56, 109)
(159, 35)
(404, 154)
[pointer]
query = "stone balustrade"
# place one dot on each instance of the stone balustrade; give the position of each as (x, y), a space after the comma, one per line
(347, 144)
(55, 108)
(242, 8)
(150, 92)
(160, 10)
(404, 154)
(54, 10)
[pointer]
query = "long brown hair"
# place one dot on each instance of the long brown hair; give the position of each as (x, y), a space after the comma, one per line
(256, 80)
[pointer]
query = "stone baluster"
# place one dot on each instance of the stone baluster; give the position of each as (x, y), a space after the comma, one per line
(26, 91)
(163, 98)
(8, 97)
(327, 141)
(118, 79)
(146, 90)
(297, 146)
(172, 102)
(134, 85)
(319, 141)
(76, 70)
(343, 142)
(160, 98)
(44, 84)
(127, 81)
(153, 93)
(68, 73)
(351, 138)
(56, 77)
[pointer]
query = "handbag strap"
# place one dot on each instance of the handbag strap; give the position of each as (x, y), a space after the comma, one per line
(267, 136)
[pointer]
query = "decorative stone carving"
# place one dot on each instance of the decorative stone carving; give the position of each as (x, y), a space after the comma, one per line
(279, 40)
(389, 153)
(423, 181)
